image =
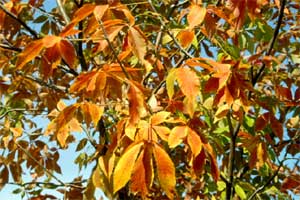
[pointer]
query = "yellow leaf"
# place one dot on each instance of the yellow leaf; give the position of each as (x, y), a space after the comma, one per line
(62, 135)
(125, 166)
(177, 135)
(17, 132)
(31, 51)
(196, 15)
(165, 171)
(170, 82)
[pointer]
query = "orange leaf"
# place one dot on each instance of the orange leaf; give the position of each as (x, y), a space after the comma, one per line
(17, 132)
(185, 37)
(31, 51)
(83, 12)
(92, 112)
(177, 135)
(194, 142)
(50, 40)
(136, 103)
(67, 52)
(138, 43)
(188, 82)
(142, 175)
(99, 11)
(82, 81)
(125, 166)
(196, 15)
(165, 171)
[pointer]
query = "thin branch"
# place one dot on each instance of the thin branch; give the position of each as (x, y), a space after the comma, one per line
(10, 48)
(62, 11)
(30, 30)
(233, 135)
(169, 32)
(42, 83)
(261, 188)
(272, 42)
(81, 57)
(17, 110)
(39, 164)
(113, 50)
(38, 183)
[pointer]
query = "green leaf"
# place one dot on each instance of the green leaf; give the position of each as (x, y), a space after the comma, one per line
(240, 191)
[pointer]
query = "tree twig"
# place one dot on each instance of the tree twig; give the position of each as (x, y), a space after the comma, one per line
(113, 50)
(30, 30)
(272, 42)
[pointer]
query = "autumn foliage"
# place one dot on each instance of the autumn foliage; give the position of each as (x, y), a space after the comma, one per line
(183, 99)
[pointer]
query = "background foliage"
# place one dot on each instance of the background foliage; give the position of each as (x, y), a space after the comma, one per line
(174, 99)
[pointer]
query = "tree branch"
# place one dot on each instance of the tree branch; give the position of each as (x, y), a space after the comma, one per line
(233, 135)
(261, 188)
(272, 42)
(113, 50)
(30, 30)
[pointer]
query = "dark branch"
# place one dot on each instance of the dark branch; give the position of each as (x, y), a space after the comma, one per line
(30, 30)
(272, 42)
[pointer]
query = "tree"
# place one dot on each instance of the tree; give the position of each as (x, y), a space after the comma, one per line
(178, 99)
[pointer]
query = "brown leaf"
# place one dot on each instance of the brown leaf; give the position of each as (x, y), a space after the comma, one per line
(67, 52)
(138, 43)
(136, 103)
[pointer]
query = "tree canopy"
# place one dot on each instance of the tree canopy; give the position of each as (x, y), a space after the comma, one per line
(183, 99)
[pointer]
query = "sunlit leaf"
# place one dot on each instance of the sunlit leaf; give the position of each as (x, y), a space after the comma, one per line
(196, 15)
(188, 82)
(165, 171)
(31, 51)
(124, 167)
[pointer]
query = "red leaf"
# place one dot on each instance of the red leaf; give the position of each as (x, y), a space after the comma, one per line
(67, 52)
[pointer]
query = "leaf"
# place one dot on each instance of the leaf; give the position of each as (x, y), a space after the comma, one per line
(194, 142)
(92, 112)
(125, 166)
(136, 103)
(67, 52)
(31, 51)
(188, 82)
(240, 192)
(50, 40)
(165, 171)
(142, 175)
(138, 43)
(199, 162)
(170, 82)
(177, 135)
(196, 15)
(17, 131)
(83, 12)
(159, 117)
(99, 11)
(276, 127)
(185, 37)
